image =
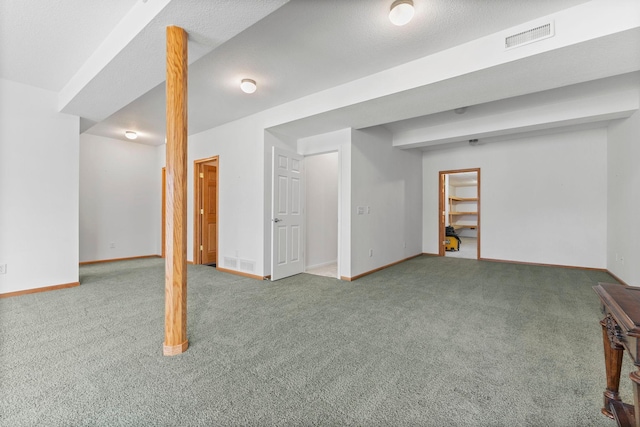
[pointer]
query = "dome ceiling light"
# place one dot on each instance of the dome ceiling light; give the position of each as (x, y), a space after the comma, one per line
(401, 12)
(248, 85)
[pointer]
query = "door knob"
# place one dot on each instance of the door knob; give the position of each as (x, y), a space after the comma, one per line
(277, 220)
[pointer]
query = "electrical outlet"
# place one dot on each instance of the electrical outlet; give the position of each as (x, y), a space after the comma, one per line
(112, 245)
(3, 268)
(621, 260)
(370, 252)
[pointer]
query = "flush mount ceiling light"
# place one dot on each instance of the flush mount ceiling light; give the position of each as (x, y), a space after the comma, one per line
(401, 12)
(130, 134)
(248, 85)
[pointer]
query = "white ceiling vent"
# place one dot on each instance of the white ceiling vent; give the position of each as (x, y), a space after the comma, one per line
(529, 36)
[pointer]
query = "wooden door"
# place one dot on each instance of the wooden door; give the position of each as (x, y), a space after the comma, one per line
(287, 221)
(164, 210)
(209, 215)
(205, 212)
(441, 214)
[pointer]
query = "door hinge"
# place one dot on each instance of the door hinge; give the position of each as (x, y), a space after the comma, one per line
(201, 211)
(201, 247)
(201, 174)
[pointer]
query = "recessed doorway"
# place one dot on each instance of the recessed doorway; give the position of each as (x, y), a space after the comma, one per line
(460, 213)
(205, 223)
(321, 214)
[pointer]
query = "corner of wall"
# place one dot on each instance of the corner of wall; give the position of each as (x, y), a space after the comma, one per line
(623, 199)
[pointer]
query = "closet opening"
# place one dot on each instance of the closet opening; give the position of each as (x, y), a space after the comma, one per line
(460, 213)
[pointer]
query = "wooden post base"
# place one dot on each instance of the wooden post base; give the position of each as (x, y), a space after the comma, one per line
(172, 350)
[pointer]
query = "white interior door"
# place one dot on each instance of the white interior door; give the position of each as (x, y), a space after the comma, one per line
(287, 256)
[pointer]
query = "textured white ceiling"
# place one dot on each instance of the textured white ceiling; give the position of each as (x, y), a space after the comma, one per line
(310, 45)
(292, 50)
(595, 59)
(140, 65)
(44, 42)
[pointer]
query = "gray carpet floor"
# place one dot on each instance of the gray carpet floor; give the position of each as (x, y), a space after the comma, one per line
(429, 342)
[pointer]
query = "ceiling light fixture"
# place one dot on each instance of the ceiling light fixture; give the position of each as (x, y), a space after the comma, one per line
(130, 134)
(460, 110)
(248, 85)
(473, 142)
(401, 12)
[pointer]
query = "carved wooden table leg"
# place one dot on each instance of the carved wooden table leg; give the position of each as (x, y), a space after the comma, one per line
(613, 362)
(635, 380)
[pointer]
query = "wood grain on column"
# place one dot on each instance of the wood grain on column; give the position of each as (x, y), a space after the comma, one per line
(175, 330)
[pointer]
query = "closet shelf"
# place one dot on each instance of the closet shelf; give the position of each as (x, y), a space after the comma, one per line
(456, 202)
(461, 226)
(463, 199)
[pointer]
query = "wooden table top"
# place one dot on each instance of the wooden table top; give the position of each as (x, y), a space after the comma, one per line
(624, 304)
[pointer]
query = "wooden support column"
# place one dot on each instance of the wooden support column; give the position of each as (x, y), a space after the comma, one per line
(175, 329)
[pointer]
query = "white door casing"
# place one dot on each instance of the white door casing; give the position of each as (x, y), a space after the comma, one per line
(287, 190)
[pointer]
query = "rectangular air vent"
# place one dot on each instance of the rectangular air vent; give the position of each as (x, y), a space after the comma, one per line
(246, 265)
(529, 36)
(231, 262)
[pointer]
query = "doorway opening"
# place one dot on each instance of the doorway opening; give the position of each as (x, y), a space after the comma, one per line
(205, 220)
(321, 186)
(459, 204)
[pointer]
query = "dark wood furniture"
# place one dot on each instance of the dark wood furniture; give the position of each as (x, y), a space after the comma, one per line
(620, 332)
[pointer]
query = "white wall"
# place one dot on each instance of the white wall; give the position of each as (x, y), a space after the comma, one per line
(244, 150)
(623, 166)
(240, 147)
(543, 199)
(321, 181)
(387, 183)
(120, 199)
(38, 189)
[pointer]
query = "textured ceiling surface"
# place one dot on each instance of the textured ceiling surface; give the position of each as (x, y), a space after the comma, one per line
(553, 69)
(291, 48)
(44, 43)
(308, 45)
(140, 65)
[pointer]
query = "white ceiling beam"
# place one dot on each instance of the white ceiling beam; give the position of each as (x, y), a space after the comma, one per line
(131, 61)
(140, 15)
(590, 102)
(431, 84)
